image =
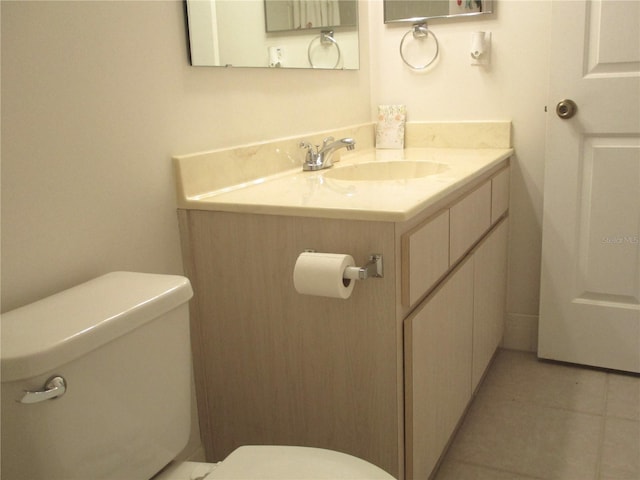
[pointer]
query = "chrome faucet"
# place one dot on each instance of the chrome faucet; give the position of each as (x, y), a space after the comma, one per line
(318, 157)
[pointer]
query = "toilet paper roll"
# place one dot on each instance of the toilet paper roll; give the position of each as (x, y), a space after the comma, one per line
(321, 274)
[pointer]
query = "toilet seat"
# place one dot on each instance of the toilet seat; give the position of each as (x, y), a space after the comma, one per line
(186, 471)
(269, 462)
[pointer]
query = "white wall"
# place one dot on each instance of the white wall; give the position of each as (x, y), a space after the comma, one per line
(96, 98)
(513, 87)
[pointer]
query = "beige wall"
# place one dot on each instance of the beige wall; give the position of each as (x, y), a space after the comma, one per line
(513, 87)
(96, 98)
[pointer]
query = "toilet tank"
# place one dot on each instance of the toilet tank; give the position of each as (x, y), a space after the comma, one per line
(121, 342)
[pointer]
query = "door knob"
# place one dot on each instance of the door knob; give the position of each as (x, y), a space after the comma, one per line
(566, 109)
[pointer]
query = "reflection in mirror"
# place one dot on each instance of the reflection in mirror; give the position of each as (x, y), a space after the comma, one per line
(282, 15)
(421, 10)
(233, 33)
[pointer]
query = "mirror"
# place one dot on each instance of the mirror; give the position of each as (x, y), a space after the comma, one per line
(321, 34)
(417, 11)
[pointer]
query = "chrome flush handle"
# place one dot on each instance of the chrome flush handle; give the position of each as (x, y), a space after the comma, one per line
(55, 387)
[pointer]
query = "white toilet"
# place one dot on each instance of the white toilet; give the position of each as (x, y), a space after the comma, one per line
(96, 385)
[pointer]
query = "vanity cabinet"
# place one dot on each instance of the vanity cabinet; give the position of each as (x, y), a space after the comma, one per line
(433, 247)
(450, 340)
(450, 337)
(385, 375)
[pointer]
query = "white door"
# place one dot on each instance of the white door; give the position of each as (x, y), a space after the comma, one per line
(590, 286)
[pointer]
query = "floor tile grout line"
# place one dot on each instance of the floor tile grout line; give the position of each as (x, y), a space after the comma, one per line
(615, 417)
(603, 424)
(625, 415)
(546, 405)
(607, 381)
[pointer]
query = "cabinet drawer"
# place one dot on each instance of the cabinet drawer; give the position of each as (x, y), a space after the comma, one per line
(469, 219)
(425, 257)
(499, 195)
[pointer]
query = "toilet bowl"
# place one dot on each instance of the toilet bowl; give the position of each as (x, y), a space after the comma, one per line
(267, 462)
(96, 384)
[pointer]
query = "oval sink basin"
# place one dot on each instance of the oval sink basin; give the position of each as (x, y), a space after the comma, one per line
(382, 171)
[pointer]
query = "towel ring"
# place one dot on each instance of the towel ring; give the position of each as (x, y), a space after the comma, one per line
(419, 31)
(326, 39)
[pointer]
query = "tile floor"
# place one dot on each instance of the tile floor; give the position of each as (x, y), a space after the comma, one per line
(541, 420)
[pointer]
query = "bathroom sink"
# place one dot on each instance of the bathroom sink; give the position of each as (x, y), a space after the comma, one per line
(381, 171)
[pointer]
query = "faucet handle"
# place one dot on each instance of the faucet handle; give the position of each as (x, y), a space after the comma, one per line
(326, 141)
(311, 157)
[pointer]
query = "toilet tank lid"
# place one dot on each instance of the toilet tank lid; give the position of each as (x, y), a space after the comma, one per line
(48, 333)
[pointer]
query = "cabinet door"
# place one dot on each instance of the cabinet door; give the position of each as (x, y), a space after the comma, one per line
(438, 349)
(490, 282)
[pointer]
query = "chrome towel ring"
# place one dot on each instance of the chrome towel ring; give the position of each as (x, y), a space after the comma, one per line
(325, 39)
(420, 32)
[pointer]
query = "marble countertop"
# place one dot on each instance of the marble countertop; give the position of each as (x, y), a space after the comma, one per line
(314, 194)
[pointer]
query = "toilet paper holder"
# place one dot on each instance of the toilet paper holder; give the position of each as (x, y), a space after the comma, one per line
(373, 268)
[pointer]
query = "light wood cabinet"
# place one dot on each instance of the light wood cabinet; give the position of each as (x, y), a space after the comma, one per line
(470, 218)
(499, 194)
(384, 375)
(449, 343)
(489, 298)
(273, 366)
(425, 257)
(438, 352)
